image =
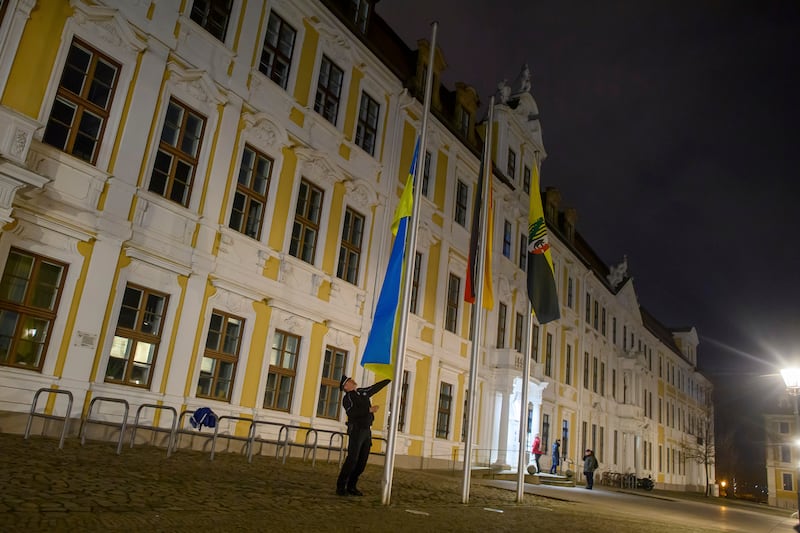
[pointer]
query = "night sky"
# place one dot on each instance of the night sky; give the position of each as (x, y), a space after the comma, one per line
(673, 127)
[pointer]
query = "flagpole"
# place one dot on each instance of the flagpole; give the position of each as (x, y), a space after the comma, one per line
(408, 273)
(477, 306)
(523, 416)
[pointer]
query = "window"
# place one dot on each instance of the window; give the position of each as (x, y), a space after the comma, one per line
(523, 252)
(588, 308)
(350, 249)
(601, 444)
(568, 366)
(276, 54)
(507, 238)
(453, 292)
(426, 174)
(463, 123)
(359, 11)
(443, 412)
(786, 453)
(519, 327)
(415, 283)
(548, 356)
(282, 371)
(329, 90)
(595, 366)
(570, 292)
(367, 129)
(787, 482)
(218, 367)
(603, 322)
(564, 437)
(461, 203)
(783, 427)
(83, 100)
(584, 436)
(329, 393)
(501, 325)
(526, 179)
(625, 338)
(603, 380)
(595, 324)
(212, 15)
(306, 222)
(401, 415)
(586, 370)
(545, 431)
(29, 293)
(247, 212)
(512, 164)
(176, 159)
(614, 383)
(137, 337)
(614, 330)
(535, 344)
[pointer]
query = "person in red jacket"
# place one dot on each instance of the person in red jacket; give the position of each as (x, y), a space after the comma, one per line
(536, 451)
(360, 415)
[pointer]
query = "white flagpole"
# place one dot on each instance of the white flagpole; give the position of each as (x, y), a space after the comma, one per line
(408, 273)
(477, 307)
(526, 369)
(523, 416)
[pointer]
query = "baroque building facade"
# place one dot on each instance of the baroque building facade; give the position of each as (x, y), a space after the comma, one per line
(196, 206)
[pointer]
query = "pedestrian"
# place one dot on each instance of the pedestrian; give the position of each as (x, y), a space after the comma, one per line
(536, 451)
(360, 414)
(556, 456)
(589, 466)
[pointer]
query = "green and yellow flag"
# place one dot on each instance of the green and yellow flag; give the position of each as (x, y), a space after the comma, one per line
(541, 279)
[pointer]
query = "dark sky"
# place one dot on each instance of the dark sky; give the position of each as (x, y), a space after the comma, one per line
(673, 127)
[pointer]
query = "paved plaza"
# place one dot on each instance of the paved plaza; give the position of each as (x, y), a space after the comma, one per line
(91, 488)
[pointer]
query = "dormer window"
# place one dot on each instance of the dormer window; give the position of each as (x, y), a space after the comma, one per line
(359, 10)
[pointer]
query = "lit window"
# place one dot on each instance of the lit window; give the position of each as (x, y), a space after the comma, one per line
(137, 337)
(29, 293)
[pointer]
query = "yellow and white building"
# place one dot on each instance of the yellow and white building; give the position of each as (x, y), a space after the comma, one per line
(196, 206)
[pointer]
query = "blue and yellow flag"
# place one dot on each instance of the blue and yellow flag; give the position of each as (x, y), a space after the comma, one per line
(541, 280)
(377, 355)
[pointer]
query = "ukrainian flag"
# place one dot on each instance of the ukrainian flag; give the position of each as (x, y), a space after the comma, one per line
(377, 355)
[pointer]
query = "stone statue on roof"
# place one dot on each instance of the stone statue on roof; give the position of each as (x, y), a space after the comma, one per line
(618, 273)
(503, 92)
(525, 79)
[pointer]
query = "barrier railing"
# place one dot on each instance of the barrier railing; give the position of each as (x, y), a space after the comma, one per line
(65, 419)
(121, 425)
(155, 429)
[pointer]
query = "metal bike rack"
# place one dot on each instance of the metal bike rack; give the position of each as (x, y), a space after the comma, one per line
(171, 430)
(65, 419)
(88, 420)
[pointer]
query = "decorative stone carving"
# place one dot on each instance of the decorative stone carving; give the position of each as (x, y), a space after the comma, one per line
(617, 274)
(315, 165)
(361, 192)
(503, 92)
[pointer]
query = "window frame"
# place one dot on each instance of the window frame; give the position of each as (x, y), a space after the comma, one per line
(250, 194)
(415, 283)
(219, 355)
(276, 55)
(369, 111)
(327, 100)
(304, 224)
(452, 303)
(461, 203)
(511, 164)
(281, 372)
(176, 154)
(502, 312)
(507, 239)
(137, 336)
(80, 104)
(212, 7)
(24, 309)
(348, 268)
(330, 396)
(444, 410)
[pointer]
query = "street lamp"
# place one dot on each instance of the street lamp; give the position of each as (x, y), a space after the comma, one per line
(791, 377)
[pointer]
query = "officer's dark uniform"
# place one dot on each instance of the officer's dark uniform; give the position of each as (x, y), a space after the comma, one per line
(357, 405)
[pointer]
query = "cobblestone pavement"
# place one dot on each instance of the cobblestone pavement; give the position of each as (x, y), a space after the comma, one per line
(91, 488)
